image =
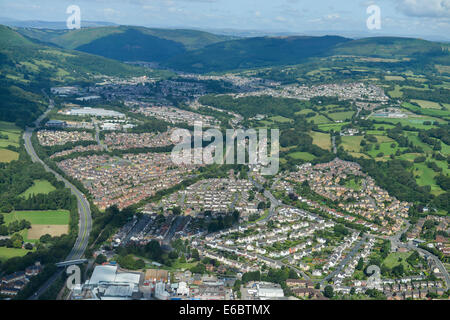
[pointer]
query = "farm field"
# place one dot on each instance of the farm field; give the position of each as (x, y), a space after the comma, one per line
(394, 78)
(322, 140)
(9, 136)
(39, 187)
(347, 115)
(8, 155)
(50, 217)
(427, 104)
(352, 143)
(38, 230)
(332, 126)
(318, 119)
(427, 112)
(53, 222)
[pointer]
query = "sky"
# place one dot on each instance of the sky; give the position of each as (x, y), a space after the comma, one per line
(418, 18)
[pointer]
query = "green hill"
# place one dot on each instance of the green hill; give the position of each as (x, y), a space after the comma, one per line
(387, 47)
(254, 52)
(127, 42)
(27, 66)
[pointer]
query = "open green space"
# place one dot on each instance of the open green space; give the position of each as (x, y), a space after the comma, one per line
(323, 140)
(351, 143)
(8, 253)
(39, 187)
(301, 155)
(393, 258)
(427, 104)
(341, 116)
(48, 217)
(8, 155)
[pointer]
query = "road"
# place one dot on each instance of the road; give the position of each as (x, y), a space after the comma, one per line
(438, 262)
(396, 243)
(97, 135)
(344, 261)
(274, 203)
(333, 142)
(84, 210)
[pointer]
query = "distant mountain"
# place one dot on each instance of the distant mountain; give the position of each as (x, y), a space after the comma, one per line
(27, 65)
(59, 25)
(255, 52)
(94, 38)
(387, 47)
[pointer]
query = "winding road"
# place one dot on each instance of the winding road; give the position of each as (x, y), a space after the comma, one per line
(84, 210)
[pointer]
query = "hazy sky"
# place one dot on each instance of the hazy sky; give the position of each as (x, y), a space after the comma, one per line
(399, 17)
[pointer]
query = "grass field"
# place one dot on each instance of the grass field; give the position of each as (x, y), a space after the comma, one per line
(301, 155)
(8, 155)
(8, 253)
(39, 187)
(396, 93)
(392, 260)
(13, 133)
(50, 217)
(319, 119)
(351, 143)
(394, 78)
(425, 177)
(332, 126)
(427, 104)
(347, 115)
(385, 148)
(280, 119)
(427, 111)
(322, 140)
(39, 230)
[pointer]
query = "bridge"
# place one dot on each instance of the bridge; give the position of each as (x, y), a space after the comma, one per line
(70, 262)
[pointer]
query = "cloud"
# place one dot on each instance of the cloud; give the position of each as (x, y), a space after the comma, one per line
(424, 8)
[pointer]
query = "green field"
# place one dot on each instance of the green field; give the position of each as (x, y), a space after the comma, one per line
(50, 217)
(39, 187)
(12, 133)
(280, 119)
(427, 104)
(396, 93)
(322, 140)
(8, 155)
(340, 116)
(425, 177)
(8, 253)
(319, 119)
(301, 155)
(394, 78)
(392, 260)
(427, 111)
(351, 143)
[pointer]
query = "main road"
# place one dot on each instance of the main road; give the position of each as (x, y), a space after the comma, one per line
(84, 210)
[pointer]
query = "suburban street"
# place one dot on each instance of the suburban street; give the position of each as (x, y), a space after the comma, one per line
(85, 220)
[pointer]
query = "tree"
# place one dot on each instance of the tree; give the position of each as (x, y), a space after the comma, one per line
(328, 292)
(360, 264)
(100, 259)
(195, 255)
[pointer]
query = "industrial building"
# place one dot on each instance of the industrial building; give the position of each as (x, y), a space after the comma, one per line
(95, 112)
(108, 283)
